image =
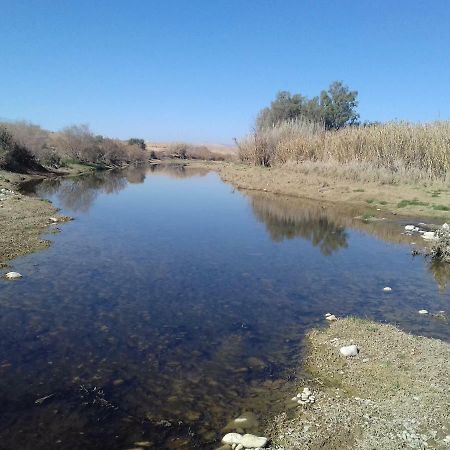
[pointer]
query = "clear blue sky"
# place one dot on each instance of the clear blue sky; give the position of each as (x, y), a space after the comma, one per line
(200, 70)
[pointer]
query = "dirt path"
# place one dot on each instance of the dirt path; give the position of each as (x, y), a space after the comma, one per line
(394, 394)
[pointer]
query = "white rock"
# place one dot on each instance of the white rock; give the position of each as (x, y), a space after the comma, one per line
(13, 275)
(252, 441)
(423, 311)
(410, 227)
(387, 289)
(232, 438)
(53, 219)
(239, 447)
(327, 314)
(241, 419)
(446, 227)
(349, 350)
(331, 318)
(429, 235)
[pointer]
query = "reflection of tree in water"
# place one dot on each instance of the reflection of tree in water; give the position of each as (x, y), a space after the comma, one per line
(441, 273)
(78, 194)
(287, 218)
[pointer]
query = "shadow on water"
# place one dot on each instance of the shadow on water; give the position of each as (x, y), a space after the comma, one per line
(172, 303)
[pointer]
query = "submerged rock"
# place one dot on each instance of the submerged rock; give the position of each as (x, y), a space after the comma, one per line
(13, 275)
(349, 350)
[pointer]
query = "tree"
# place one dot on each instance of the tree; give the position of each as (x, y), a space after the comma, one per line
(338, 106)
(136, 141)
(335, 108)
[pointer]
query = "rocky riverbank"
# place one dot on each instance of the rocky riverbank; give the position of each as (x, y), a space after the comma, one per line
(392, 393)
(23, 219)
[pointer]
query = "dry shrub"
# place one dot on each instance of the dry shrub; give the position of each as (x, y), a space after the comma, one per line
(181, 150)
(392, 150)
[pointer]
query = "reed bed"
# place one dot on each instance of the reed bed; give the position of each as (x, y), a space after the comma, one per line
(393, 151)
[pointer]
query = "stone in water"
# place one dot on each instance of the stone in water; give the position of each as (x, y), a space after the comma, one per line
(13, 275)
(387, 289)
(423, 311)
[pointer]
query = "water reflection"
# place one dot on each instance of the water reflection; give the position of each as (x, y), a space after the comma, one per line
(287, 219)
(164, 327)
(79, 193)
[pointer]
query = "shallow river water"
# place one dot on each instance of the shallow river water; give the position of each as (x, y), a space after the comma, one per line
(172, 303)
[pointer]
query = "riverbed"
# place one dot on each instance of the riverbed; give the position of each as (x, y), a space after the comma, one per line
(173, 302)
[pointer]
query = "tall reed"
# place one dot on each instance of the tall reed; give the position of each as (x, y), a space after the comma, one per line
(422, 150)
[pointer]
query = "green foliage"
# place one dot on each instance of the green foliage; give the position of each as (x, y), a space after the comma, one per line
(413, 202)
(441, 208)
(136, 141)
(335, 108)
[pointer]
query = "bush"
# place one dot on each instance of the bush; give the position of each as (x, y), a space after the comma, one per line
(13, 156)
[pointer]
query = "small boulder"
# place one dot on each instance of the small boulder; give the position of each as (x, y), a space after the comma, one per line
(429, 235)
(252, 441)
(232, 438)
(423, 311)
(13, 276)
(387, 289)
(331, 317)
(349, 350)
(410, 228)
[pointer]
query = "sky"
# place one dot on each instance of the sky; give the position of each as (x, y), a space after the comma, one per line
(200, 70)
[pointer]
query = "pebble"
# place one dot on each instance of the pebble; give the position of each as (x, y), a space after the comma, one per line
(13, 275)
(349, 350)
(232, 438)
(387, 289)
(423, 311)
(238, 442)
(252, 441)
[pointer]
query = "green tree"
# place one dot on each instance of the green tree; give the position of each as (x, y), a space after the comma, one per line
(338, 106)
(335, 108)
(136, 141)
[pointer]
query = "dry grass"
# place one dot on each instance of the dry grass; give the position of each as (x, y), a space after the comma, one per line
(391, 152)
(181, 150)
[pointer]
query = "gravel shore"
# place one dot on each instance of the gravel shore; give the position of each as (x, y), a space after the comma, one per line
(394, 394)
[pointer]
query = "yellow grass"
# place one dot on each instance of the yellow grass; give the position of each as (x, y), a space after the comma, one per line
(391, 151)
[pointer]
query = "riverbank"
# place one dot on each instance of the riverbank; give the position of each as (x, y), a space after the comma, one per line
(377, 199)
(23, 218)
(394, 394)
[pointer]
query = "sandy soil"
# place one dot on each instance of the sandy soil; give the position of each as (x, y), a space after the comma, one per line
(417, 200)
(23, 219)
(394, 394)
